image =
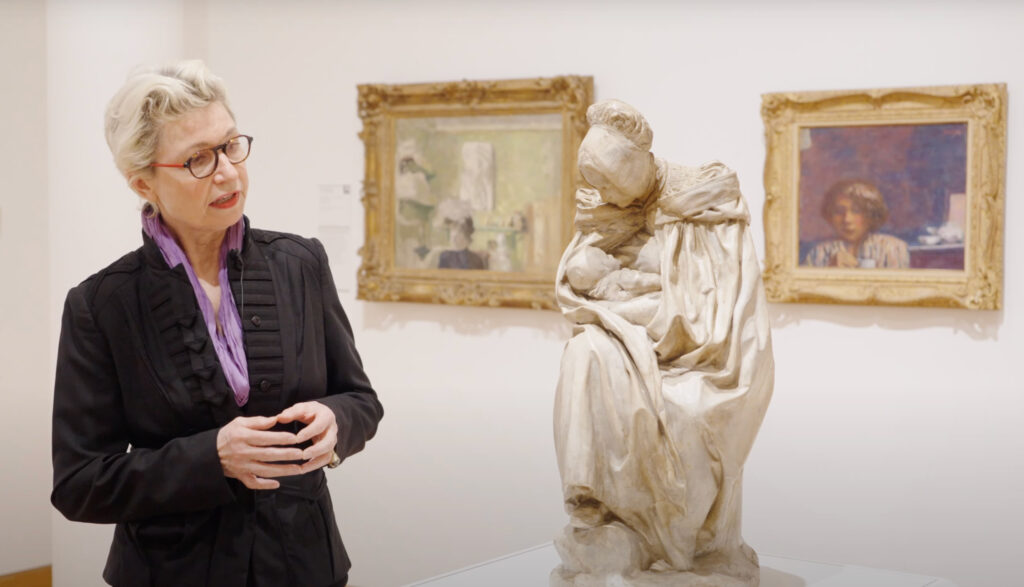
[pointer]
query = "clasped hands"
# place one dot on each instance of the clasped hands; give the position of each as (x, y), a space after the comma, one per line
(252, 453)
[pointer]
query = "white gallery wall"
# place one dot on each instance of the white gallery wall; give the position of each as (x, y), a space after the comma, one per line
(893, 439)
(24, 290)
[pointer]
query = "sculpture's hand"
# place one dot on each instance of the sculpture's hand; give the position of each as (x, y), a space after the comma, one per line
(321, 427)
(250, 452)
(609, 288)
(625, 284)
(639, 282)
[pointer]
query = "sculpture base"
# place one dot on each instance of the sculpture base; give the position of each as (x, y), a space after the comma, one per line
(612, 555)
(562, 578)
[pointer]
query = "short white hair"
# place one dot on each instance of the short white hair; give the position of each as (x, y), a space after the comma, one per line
(624, 119)
(150, 98)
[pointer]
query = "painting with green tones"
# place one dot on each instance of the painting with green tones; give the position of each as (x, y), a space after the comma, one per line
(479, 192)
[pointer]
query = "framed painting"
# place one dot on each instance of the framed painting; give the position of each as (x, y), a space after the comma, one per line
(469, 189)
(886, 196)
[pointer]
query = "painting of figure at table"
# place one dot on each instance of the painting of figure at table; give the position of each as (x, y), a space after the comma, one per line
(479, 193)
(883, 196)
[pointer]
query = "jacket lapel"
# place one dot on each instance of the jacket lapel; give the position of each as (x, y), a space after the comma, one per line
(184, 359)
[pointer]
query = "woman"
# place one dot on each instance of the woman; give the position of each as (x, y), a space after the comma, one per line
(205, 379)
(856, 210)
(459, 256)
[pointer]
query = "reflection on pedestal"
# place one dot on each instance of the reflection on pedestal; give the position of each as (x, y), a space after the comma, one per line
(532, 568)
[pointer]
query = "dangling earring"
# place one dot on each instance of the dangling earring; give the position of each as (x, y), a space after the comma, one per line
(150, 209)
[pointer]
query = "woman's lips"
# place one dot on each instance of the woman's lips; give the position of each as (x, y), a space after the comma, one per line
(226, 201)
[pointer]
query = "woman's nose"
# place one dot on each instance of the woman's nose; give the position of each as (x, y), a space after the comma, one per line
(225, 169)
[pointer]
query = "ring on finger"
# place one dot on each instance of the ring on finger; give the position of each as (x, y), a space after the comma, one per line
(335, 460)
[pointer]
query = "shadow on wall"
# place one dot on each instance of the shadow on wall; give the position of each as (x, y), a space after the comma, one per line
(466, 320)
(979, 325)
(474, 321)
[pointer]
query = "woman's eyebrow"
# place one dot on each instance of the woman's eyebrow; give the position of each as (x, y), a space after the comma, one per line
(232, 132)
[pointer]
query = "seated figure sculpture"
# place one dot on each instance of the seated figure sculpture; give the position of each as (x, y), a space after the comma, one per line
(669, 372)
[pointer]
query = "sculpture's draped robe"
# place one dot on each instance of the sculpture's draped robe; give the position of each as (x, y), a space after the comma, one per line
(654, 420)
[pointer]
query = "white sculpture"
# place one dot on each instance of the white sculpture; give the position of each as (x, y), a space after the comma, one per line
(476, 182)
(665, 383)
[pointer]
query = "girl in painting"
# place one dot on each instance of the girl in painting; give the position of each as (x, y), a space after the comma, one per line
(856, 210)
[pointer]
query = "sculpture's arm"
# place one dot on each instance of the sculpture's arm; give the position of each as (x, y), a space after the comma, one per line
(625, 284)
(638, 310)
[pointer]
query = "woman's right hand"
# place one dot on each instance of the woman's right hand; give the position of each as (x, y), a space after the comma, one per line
(249, 451)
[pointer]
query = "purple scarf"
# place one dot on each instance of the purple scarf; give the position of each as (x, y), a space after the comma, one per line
(229, 347)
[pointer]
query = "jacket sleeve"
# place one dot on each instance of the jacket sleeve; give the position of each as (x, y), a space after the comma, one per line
(97, 477)
(349, 393)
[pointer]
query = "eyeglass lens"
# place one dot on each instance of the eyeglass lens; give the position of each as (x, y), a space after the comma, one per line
(204, 162)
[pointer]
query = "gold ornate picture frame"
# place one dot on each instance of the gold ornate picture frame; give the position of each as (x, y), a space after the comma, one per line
(886, 196)
(469, 189)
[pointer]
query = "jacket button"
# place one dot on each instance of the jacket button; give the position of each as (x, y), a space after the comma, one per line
(264, 385)
(255, 320)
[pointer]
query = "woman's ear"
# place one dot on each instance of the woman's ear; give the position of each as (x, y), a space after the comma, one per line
(142, 186)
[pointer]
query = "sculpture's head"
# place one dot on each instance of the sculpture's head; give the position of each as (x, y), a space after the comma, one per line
(615, 157)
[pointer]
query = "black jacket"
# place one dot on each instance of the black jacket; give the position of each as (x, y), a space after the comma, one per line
(139, 398)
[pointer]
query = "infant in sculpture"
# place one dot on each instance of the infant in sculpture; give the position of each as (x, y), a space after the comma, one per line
(665, 383)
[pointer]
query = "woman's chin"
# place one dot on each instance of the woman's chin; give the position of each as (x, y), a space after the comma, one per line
(852, 238)
(231, 214)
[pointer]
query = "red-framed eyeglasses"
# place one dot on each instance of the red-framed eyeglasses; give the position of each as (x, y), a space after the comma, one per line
(203, 163)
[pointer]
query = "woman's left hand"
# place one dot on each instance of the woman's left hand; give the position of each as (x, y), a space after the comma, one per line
(320, 426)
